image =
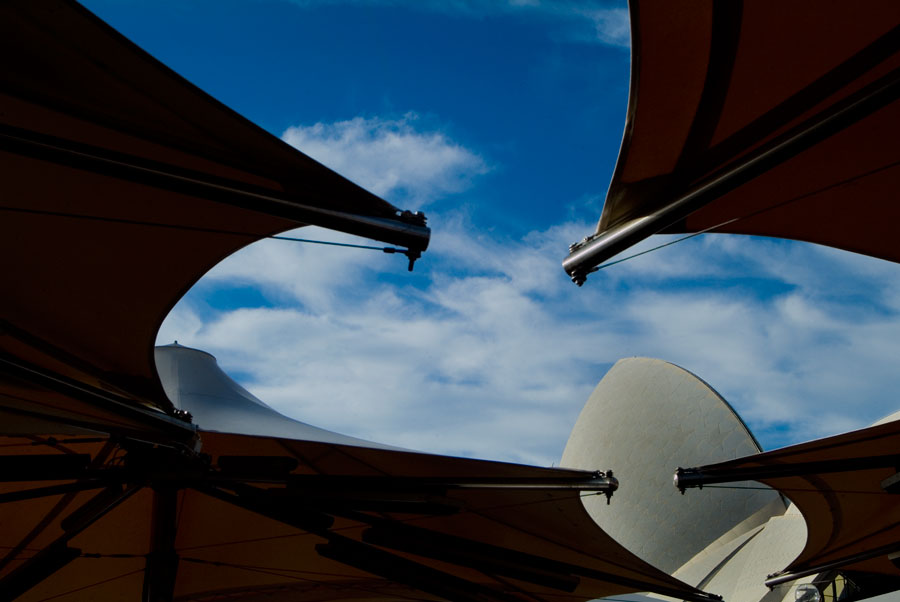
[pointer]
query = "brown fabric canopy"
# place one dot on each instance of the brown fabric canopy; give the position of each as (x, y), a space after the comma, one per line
(774, 119)
(262, 518)
(767, 118)
(122, 185)
(841, 486)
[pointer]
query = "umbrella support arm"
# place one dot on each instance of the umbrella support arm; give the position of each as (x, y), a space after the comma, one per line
(160, 426)
(688, 478)
(179, 466)
(406, 228)
(164, 465)
(597, 481)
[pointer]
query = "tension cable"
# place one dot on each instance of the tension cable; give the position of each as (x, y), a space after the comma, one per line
(410, 254)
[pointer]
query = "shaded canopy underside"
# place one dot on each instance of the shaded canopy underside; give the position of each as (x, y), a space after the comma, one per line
(765, 118)
(122, 185)
(263, 535)
(838, 484)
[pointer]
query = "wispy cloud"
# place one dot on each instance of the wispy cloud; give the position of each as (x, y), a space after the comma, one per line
(612, 26)
(390, 156)
(497, 362)
(431, 368)
(488, 350)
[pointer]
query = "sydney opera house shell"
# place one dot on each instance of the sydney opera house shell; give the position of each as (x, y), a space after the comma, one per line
(771, 119)
(131, 472)
(644, 413)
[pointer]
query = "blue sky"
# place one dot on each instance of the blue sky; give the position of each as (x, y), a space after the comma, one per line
(501, 121)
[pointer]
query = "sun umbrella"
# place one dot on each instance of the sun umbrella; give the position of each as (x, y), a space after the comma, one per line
(304, 515)
(101, 518)
(764, 117)
(122, 184)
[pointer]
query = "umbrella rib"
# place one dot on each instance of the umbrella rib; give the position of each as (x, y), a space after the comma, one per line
(166, 424)
(110, 427)
(201, 229)
(397, 230)
(698, 477)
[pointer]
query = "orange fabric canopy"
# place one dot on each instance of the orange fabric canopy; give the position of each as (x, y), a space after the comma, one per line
(760, 118)
(122, 184)
(284, 519)
(842, 487)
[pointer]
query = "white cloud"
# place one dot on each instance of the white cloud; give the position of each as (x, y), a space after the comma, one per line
(612, 25)
(434, 369)
(489, 351)
(390, 157)
(495, 352)
(309, 274)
